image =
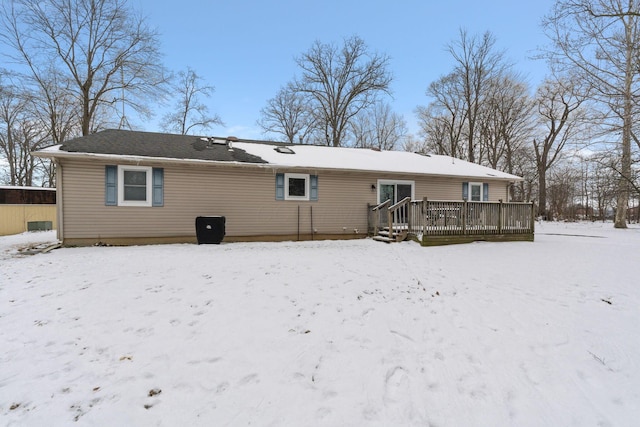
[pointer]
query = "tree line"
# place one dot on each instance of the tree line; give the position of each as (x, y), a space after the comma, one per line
(77, 67)
(80, 65)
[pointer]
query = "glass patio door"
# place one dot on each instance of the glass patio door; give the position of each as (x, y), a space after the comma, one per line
(402, 191)
(387, 192)
(394, 191)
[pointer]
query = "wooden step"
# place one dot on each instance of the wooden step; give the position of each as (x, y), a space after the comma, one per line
(384, 239)
(385, 236)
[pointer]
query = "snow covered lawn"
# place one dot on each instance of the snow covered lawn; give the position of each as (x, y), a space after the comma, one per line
(324, 333)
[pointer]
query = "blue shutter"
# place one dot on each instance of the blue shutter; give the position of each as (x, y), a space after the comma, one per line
(313, 190)
(111, 185)
(465, 191)
(158, 187)
(485, 192)
(279, 186)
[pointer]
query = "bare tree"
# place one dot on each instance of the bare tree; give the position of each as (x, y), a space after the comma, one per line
(557, 104)
(477, 64)
(413, 145)
(19, 135)
(453, 122)
(505, 121)
(524, 165)
(378, 128)
(563, 182)
(101, 49)
(341, 82)
(189, 111)
(601, 39)
(288, 115)
(443, 121)
(603, 184)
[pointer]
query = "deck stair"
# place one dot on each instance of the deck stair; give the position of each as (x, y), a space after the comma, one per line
(390, 221)
(388, 237)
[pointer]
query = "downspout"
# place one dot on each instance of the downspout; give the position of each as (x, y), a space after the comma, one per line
(298, 222)
(59, 201)
(312, 232)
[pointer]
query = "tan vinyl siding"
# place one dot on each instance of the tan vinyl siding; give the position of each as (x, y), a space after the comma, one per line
(440, 188)
(244, 195)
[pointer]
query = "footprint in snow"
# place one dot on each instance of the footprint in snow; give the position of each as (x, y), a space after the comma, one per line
(396, 385)
(222, 387)
(253, 378)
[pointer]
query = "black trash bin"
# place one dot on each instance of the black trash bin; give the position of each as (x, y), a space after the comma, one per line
(210, 229)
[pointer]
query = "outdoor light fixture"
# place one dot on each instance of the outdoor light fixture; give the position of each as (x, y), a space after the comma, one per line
(373, 187)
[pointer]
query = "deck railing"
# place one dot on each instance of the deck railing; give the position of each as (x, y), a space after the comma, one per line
(468, 218)
(398, 217)
(454, 218)
(378, 217)
(392, 218)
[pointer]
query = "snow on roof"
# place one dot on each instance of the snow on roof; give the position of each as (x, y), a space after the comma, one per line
(313, 156)
(19, 187)
(179, 148)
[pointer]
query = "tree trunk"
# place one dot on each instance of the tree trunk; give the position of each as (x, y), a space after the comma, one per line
(542, 195)
(625, 162)
(85, 121)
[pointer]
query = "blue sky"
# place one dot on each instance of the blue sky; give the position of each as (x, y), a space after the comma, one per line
(246, 49)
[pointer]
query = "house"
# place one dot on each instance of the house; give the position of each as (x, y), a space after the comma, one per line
(130, 187)
(26, 209)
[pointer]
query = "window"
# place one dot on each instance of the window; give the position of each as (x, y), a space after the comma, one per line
(475, 191)
(296, 186)
(284, 150)
(134, 186)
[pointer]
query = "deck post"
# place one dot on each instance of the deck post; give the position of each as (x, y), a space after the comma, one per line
(500, 216)
(533, 219)
(464, 216)
(425, 210)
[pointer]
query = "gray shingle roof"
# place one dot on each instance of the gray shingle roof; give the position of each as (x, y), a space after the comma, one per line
(189, 148)
(149, 144)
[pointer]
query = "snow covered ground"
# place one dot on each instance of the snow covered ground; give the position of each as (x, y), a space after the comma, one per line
(324, 333)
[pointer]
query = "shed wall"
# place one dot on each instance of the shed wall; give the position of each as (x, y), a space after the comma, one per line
(14, 219)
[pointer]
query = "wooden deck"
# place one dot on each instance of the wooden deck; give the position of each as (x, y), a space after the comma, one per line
(442, 222)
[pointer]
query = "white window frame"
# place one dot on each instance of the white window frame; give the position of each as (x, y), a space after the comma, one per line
(395, 182)
(479, 184)
(306, 186)
(149, 184)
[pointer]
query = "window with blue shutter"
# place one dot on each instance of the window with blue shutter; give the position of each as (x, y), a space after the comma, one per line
(475, 191)
(133, 186)
(296, 186)
(111, 185)
(279, 186)
(313, 187)
(158, 187)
